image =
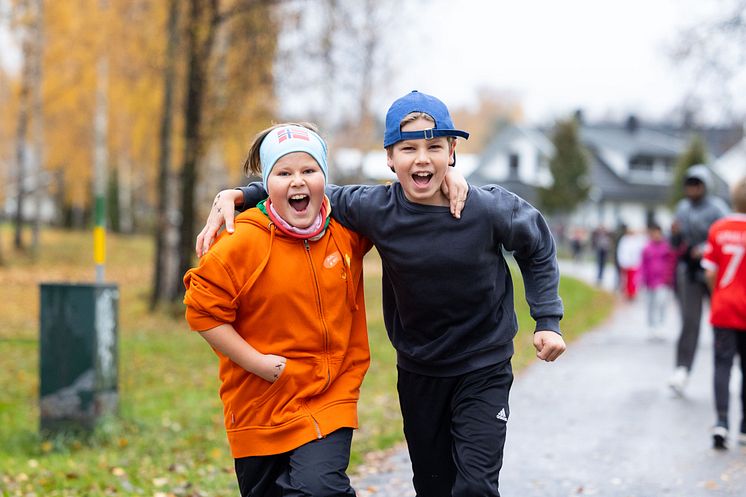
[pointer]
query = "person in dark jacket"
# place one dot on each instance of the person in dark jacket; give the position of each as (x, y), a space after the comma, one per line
(693, 217)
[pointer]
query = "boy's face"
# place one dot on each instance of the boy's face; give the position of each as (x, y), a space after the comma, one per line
(296, 188)
(421, 165)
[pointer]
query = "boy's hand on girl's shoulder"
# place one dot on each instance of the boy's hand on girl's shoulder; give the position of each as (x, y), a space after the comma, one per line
(221, 213)
(549, 345)
(456, 188)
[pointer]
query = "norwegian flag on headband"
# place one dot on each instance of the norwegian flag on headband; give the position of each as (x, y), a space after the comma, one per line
(288, 133)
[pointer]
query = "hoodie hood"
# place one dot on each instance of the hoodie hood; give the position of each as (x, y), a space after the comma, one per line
(700, 172)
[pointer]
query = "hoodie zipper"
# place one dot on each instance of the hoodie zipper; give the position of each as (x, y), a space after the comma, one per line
(315, 423)
(321, 316)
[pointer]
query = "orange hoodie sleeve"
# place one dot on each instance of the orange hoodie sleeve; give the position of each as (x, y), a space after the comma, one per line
(210, 294)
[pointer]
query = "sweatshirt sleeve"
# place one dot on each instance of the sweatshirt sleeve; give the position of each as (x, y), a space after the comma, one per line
(346, 202)
(210, 294)
(348, 205)
(253, 193)
(530, 239)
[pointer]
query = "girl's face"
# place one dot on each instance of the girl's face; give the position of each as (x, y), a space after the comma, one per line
(421, 165)
(655, 235)
(296, 188)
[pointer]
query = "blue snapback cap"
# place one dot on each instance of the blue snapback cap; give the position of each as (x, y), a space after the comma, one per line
(416, 101)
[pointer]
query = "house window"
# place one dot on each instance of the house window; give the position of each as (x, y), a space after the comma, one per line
(513, 163)
(651, 169)
(641, 164)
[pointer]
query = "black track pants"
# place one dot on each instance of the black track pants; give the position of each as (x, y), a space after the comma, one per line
(455, 429)
(315, 469)
(692, 294)
(727, 345)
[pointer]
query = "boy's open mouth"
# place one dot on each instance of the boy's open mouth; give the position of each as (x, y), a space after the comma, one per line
(422, 178)
(299, 202)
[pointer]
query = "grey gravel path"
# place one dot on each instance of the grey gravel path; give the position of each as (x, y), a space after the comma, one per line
(601, 421)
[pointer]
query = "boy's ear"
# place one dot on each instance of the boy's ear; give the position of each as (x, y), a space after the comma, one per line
(451, 156)
(390, 161)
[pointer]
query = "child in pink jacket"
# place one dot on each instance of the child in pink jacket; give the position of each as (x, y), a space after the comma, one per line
(656, 272)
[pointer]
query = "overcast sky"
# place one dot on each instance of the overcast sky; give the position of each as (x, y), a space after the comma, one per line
(609, 57)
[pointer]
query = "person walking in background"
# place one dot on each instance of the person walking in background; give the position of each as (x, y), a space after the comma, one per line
(281, 302)
(577, 243)
(724, 261)
(693, 217)
(619, 232)
(656, 274)
(629, 254)
(601, 241)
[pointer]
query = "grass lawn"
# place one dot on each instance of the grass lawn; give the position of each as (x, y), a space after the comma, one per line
(168, 439)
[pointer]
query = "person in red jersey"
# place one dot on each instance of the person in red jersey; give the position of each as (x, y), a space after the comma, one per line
(724, 261)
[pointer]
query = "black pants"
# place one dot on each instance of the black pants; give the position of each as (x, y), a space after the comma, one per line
(314, 469)
(692, 293)
(728, 343)
(455, 429)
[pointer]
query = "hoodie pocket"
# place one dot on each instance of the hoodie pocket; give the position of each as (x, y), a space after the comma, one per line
(282, 400)
(275, 387)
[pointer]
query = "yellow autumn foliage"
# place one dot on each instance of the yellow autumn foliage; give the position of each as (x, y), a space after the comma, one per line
(130, 36)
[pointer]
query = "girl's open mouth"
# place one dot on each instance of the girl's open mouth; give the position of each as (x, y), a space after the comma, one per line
(299, 202)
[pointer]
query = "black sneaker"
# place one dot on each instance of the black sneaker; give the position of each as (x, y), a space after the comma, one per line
(719, 437)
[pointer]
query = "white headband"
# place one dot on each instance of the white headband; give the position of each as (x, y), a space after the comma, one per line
(286, 140)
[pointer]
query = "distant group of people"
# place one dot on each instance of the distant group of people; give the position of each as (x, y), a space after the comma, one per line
(703, 258)
(686, 263)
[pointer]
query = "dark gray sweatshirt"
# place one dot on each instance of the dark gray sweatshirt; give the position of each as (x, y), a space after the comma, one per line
(447, 291)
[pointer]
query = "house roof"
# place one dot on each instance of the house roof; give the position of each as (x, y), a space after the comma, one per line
(717, 139)
(629, 141)
(609, 186)
(642, 141)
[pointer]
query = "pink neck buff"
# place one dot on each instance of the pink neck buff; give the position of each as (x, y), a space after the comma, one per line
(313, 232)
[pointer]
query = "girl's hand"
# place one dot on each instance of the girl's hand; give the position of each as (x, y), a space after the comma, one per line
(270, 367)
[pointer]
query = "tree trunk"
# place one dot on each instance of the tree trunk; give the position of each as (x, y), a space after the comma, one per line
(125, 201)
(166, 254)
(22, 127)
(37, 120)
(202, 20)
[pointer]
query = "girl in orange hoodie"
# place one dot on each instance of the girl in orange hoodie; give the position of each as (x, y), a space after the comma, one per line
(281, 302)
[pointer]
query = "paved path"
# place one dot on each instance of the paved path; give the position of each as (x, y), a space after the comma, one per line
(601, 421)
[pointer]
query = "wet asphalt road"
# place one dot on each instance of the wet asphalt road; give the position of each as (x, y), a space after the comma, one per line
(602, 421)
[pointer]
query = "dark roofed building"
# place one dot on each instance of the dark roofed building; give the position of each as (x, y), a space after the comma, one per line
(631, 167)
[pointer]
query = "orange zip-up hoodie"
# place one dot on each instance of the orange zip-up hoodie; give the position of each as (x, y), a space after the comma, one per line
(293, 298)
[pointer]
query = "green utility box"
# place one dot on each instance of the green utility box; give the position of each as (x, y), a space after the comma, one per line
(78, 355)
